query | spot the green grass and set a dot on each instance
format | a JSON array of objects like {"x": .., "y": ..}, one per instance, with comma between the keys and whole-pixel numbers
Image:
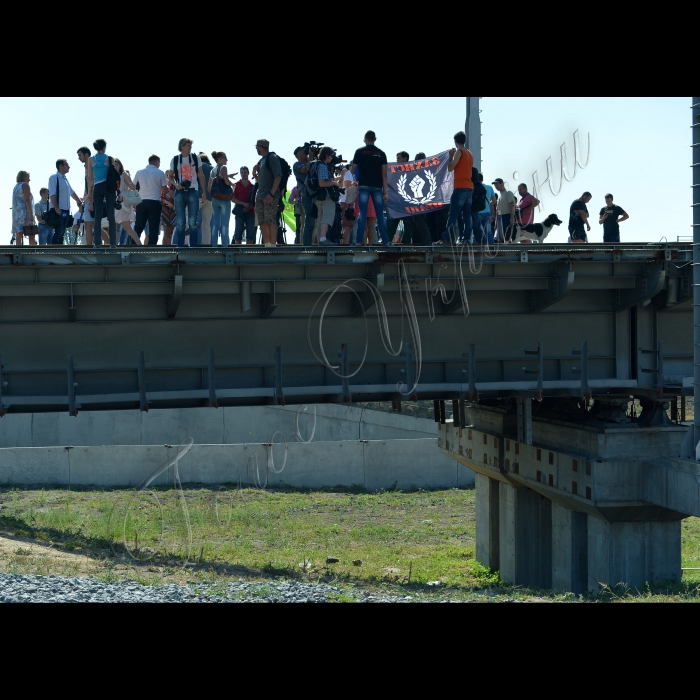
[{"x": 403, "y": 540}]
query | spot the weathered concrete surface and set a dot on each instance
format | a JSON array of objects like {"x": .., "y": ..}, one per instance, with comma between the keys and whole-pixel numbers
[
  {"x": 569, "y": 549},
  {"x": 633, "y": 553},
  {"x": 209, "y": 426},
  {"x": 406, "y": 464}
]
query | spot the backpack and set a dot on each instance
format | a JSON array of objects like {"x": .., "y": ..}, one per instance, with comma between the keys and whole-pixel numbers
[
  {"x": 479, "y": 194},
  {"x": 176, "y": 171},
  {"x": 219, "y": 188},
  {"x": 312, "y": 186},
  {"x": 284, "y": 167}
]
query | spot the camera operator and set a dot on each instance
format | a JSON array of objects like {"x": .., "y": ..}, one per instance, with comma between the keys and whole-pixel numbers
[
  {"x": 187, "y": 177},
  {"x": 301, "y": 168},
  {"x": 328, "y": 194}
]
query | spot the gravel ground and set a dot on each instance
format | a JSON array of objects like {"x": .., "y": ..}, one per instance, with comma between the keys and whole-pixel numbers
[{"x": 15, "y": 588}]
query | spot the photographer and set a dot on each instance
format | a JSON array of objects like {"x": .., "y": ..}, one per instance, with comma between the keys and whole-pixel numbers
[
  {"x": 328, "y": 194},
  {"x": 303, "y": 154},
  {"x": 187, "y": 177}
]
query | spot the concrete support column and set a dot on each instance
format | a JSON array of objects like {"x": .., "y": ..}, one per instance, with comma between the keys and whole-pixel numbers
[
  {"x": 487, "y": 522},
  {"x": 632, "y": 553},
  {"x": 525, "y": 543},
  {"x": 569, "y": 549}
]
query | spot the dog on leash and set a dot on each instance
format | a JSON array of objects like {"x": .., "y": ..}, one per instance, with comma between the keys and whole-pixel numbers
[{"x": 530, "y": 233}]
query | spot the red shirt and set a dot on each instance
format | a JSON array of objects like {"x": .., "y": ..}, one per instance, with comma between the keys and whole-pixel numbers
[
  {"x": 241, "y": 192},
  {"x": 527, "y": 217}
]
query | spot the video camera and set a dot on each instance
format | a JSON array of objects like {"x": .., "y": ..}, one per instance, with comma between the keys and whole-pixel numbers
[
  {"x": 311, "y": 148},
  {"x": 336, "y": 164}
]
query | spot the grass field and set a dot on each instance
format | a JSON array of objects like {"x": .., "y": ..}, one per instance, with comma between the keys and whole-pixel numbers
[{"x": 391, "y": 540}]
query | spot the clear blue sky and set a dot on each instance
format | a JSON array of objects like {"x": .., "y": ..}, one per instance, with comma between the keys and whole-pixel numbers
[{"x": 639, "y": 146}]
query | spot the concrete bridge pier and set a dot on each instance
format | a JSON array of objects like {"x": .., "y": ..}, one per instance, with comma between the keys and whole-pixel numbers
[{"x": 583, "y": 507}]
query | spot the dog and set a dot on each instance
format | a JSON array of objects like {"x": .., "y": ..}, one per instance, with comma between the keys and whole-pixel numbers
[{"x": 534, "y": 232}]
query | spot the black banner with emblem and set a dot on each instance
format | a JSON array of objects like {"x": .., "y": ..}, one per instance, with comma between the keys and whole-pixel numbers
[{"x": 419, "y": 186}]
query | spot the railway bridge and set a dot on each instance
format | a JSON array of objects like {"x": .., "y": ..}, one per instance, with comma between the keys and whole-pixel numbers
[{"x": 536, "y": 352}]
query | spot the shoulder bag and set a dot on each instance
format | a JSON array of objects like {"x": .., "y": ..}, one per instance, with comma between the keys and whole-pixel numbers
[{"x": 219, "y": 188}]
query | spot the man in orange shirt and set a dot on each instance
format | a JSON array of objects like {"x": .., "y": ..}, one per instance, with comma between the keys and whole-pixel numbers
[{"x": 459, "y": 225}]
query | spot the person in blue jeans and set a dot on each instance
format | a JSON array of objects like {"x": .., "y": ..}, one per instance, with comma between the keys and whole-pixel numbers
[
  {"x": 187, "y": 177},
  {"x": 243, "y": 209},
  {"x": 460, "y": 223},
  {"x": 221, "y": 208},
  {"x": 40, "y": 208},
  {"x": 372, "y": 183}
]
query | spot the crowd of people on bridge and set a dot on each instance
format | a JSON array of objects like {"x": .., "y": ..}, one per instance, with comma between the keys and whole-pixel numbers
[{"x": 191, "y": 202}]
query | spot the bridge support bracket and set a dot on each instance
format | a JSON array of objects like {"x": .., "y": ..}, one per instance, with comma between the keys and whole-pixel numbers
[
  {"x": 173, "y": 302},
  {"x": 558, "y": 286}
]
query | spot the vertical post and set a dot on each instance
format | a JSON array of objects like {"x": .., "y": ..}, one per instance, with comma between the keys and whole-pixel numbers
[
  {"x": 279, "y": 394},
  {"x": 212, "y": 387},
  {"x": 521, "y": 433},
  {"x": 455, "y": 413},
  {"x": 436, "y": 411},
  {"x": 585, "y": 392},
  {"x": 540, "y": 373},
  {"x": 72, "y": 410},
  {"x": 347, "y": 396},
  {"x": 443, "y": 419},
  {"x": 527, "y": 420},
  {"x": 143, "y": 402},
  {"x": 410, "y": 373},
  {"x": 696, "y": 269},
  {"x": 472, "y": 128},
  {"x": 473, "y": 396}
]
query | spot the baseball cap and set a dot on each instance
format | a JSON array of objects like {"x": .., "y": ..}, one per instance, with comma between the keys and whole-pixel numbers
[
  {"x": 297, "y": 149},
  {"x": 498, "y": 179},
  {"x": 263, "y": 142}
]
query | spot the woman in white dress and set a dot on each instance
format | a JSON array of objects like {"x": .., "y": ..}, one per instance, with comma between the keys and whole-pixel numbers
[
  {"x": 126, "y": 215},
  {"x": 23, "y": 220}
]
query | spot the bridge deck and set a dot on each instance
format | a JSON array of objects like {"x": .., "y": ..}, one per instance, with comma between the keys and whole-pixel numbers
[{"x": 138, "y": 323}]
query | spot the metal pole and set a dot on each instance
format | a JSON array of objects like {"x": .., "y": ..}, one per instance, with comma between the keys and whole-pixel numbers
[
  {"x": 472, "y": 129},
  {"x": 696, "y": 270},
  {"x": 466, "y": 123}
]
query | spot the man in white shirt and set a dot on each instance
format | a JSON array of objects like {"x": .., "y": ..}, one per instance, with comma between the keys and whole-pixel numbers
[
  {"x": 60, "y": 193},
  {"x": 152, "y": 187},
  {"x": 187, "y": 176}
]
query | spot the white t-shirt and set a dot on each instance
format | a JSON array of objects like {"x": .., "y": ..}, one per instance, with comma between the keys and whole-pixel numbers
[
  {"x": 150, "y": 179},
  {"x": 348, "y": 179},
  {"x": 504, "y": 201},
  {"x": 187, "y": 170}
]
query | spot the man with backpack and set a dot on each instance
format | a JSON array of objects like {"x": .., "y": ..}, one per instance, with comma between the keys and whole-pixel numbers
[
  {"x": 326, "y": 199},
  {"x": 103, "y": 181},
  {"x": 60, "y": 193},
  {"x": 187, "y": 177},
  {"x": 272, "y": 173},
  {"x": 301, "y": 169},
  {"x": 483, "y": 208}
]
